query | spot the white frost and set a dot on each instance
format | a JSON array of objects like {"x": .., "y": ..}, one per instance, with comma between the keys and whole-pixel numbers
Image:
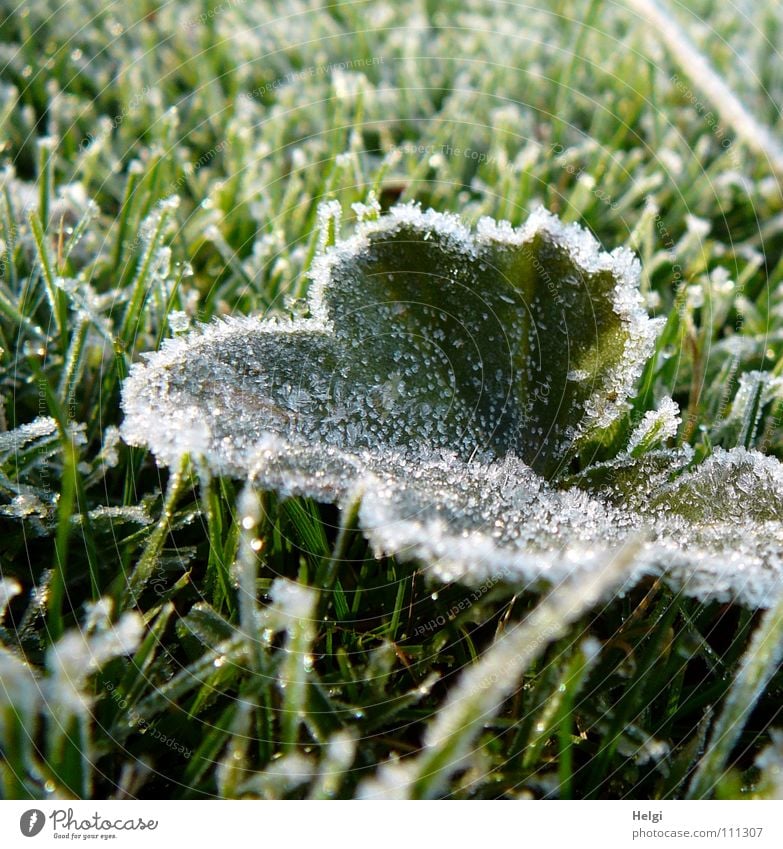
[{"x": 657, "y": 426}]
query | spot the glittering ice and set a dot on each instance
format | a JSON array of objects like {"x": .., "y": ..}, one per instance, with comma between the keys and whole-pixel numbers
[
  {"x": 444, "y": 377},
  {"x": 15, "y": 440},
  {"x": 655, "y": 427}
]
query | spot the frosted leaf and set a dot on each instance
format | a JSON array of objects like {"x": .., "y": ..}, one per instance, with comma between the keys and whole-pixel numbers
[
  {"x": 422, "y": 333},
  {"x": 441, "y": 380}
]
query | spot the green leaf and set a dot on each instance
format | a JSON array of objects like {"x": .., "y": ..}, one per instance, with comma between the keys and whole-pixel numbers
[
  {"x": 422, "y": 334},
  {"x": 442, "y": 381}
]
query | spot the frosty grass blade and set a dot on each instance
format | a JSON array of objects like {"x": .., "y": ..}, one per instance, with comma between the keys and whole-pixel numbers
[{"x": 445, "y": 376}]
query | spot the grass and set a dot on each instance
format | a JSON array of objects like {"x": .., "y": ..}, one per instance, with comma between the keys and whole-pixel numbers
[{"x": 164, "y": 163}]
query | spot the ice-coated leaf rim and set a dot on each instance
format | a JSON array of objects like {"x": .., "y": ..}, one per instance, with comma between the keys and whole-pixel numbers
[
  {"x": 499, "y": 522},
  {"x": 489, "y": 515},
  {"x": 610, "y": 387}
]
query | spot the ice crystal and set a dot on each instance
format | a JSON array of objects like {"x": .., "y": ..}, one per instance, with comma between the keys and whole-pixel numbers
[{"x": 446, "y": 377}]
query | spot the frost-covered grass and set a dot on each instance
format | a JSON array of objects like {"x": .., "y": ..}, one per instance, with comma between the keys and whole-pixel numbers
[{"x": 175, "y": 634}]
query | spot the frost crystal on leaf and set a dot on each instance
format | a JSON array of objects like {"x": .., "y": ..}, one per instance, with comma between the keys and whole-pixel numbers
[{"x": 447, "y": 378}]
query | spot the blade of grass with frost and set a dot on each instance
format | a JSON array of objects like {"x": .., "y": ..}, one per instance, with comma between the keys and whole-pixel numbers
[
  {"x": 232, "y": 767},
  {"x": 74, "y": 500},
  {"x": 56, "y": 296},
  {"x": 46, "y": 147},
  {"x": 232, "y": 650},
  {"x": 152, "y": 231},
  {"x": 555, "y": 712},
  {"x": 756, "y": 135},
  {"x": 564, "y": 722},
  {"x": 142, "y": 572},
  {"x": 483, "y": 688},
  {"x": 294, "y": 611},
  {"x": 133, "y": 682},
  {"x": 221, "y": 552},
  {"x": 760, "y": 662},
  {"x": 349, "y": 516},
  {"x": 334, "y": 766}
]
